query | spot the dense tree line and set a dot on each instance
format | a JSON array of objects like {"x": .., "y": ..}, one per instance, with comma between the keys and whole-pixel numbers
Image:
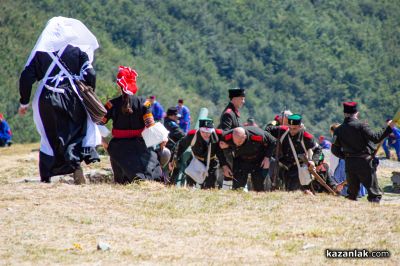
[{"x": 307, "y": 56}]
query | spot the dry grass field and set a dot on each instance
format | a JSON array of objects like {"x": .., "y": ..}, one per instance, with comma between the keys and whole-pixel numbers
[{"x": 147, "y": 223}]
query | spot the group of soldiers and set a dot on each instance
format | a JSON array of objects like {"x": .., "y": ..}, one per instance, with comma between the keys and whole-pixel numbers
[{"x": 275, "y": 157}]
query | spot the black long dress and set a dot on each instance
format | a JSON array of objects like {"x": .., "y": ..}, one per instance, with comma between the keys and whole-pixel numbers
[
  {"x": 130, "y": 158},
  {"x": 60, "y": 116}
]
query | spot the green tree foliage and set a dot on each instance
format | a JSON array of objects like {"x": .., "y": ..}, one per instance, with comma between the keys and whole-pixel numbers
[{"x": 307, "y": 56}]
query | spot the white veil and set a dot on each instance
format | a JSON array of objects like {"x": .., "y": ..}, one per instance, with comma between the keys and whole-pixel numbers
[{"x": 61, "y": 31}]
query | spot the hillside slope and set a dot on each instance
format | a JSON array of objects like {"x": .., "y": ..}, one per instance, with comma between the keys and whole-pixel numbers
[{"x": 149, "y": 223}]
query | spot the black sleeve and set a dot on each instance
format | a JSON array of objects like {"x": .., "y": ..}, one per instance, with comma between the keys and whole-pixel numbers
[
  {"x": 176, "y": 132},
  {"x": 336, "y": 147},
  {"x": 89, "y": 75},
  {"x": 378, "y": 136},
  {"x": 226, "y": 121},
  {"x": 220, "y": 155},
  {"x": 28, "y": 77},
  {"x": 275, "y": 131},
  {"x": 269, "y": 143},
  {"x": 183, "y": 144}
]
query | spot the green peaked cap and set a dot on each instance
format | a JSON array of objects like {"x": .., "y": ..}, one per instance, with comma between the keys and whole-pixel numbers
[{"x": 294, "y": 119}]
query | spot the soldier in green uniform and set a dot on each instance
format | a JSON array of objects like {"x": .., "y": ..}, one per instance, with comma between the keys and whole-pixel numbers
[{"x": 354, "y": 142}]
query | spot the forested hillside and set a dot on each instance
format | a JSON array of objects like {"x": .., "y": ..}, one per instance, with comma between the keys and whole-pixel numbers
[{"x": 307, "y": 56}]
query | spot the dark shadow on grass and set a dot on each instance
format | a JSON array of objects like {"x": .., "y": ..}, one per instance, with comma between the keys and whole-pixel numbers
[{"x": 390, "y": 189}]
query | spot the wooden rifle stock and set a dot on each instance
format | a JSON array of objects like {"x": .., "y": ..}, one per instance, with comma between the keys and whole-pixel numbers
[{"x": 320, "y": 180}]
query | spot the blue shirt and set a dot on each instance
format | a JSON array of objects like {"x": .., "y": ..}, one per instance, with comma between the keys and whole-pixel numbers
[
  {"x": 158, "y": 111},
  {"x": 184, "y": 121},
  {"x": 325, "y": 144}
]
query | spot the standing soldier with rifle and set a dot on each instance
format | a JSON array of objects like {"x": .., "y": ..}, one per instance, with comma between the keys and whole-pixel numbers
[{"x": 354, "y": 142}]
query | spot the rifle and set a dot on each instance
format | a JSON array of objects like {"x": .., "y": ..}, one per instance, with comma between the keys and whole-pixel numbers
[
  {"x": 314, "y": 174},
  {"x": 275, "y": 173}
]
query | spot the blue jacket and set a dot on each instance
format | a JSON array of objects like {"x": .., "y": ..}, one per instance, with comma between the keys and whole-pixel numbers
[
  {"x": 5, "y": 131},
  {"x": 184, "y": 121},
  {"x": 158, "y": 111}
]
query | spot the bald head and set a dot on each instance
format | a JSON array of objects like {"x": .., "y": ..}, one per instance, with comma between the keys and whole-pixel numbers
[{"x": 239, "y": 136}]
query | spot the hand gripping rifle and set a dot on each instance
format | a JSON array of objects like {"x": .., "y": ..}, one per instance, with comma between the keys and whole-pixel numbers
[{"x": 315, "y": 175}]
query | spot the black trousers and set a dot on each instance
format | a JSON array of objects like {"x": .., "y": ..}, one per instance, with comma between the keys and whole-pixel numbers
[
  {"x": 291, "y": 179},
  {"x": 359, "y": 170},
  {"x": 241, "y": 170}
]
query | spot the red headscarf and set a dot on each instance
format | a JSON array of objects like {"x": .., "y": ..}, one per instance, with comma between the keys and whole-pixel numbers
[{"x": 126, "y": 79}]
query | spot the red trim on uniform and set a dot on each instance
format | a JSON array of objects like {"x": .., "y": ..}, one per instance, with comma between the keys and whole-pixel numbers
[
  {"x": 228, "y": 136},
  {"x": 192, "y": 132},
  {"x": 218, "y": 131},
  {"x": 256, "y": 138},
  {"x": 350, "y": 104},
  {"x": 228, "y": 110},
  {"x": 284, "y": 127},
  {"x": 108, "y": 105},
  {"x": 126, "y": 133},
  {"x": 308, "y": 135}
]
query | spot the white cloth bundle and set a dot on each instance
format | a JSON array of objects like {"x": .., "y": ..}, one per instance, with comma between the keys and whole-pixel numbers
[{"x": 154, "y": 135}]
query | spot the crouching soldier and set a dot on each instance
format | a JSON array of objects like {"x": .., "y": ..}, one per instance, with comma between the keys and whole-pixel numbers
[
  {"x": 252, "y": 148},
  {"x": 207, "y": 137},
  {"x": 295, "y": 142},
  {"x": 322, "y": 169},
  {"x": 175, "y": 134}
]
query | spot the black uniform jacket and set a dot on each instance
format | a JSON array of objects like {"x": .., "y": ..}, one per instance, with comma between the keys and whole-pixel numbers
[
  {"x": 258, "y": 144},
  {"x": 175, "y": 132},
  {"x": 286, "y": 154},
  {"x": 200, "y": 147},
  {"x": 354, "y": 138},
  {"x": 230, "y": 118},
  {"x": 124, "y": 122},
  {"x": 72, "y": 57}
]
